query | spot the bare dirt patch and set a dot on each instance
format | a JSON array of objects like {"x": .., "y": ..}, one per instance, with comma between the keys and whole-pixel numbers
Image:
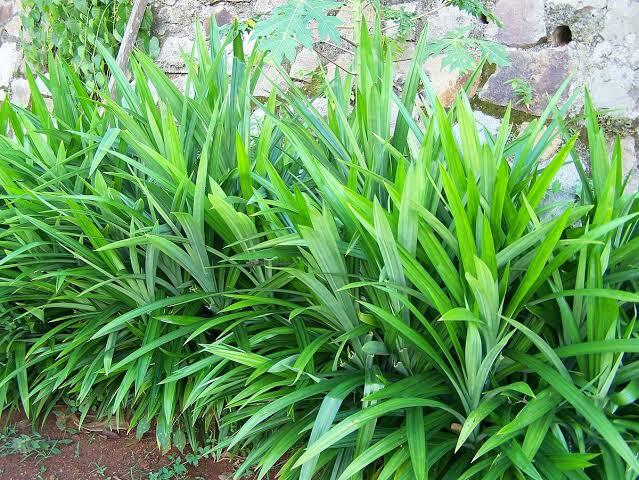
[{"x": 89, "y": 455}]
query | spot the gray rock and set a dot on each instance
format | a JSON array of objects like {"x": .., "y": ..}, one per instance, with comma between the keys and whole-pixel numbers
[
  {"x": 6, "y": 12},
  {"x": 248, "y": 44},
  {"x": 255, "y": 122},
  {"x": 612, "y": 87},
  {"x": 264, "y": 7},
  {"x": 306, "y": 62},
  {"x": 345, "y": 14},
  {"x": 177, "y": 18},
  {"x": 630, "y": 164},
  {"x": 321, "y": 105},
  {"x": 622, "y": 23},
  {"x": 14, "y": 26},
  {"x": 342, "y": 64},
  {"x": 9, "y": 64},
  {"x": 42, "y": 88},
  {"x": 609, "y": 65},
  {"x": 179, "y": 80},
  {"x": 170, "y": 58},
  {"x": 447, "y": 19},
  {"x": 403, "y": 62},
  {"x": 584, "y": 19},
  {"x": 268, "y": 81},
  {"x": 222, "y": 16},
  {"x": 564, "y": 191},
  {"x": 20, "y": 92},
  {"x": 446, "y": 83},
  {"x": 568, "y": 179},
  {"x": 545, "y": 71},
  {"x": 577, "y": 4},
  {"x": 490, "y": 123},
  {"x": 485, "y": 123},
  {"x": 524, "y": 23}
]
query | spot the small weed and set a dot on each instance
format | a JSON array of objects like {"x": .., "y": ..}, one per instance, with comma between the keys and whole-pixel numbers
[
  {"x": 64, "y": 422},
  {"x": 101, "y": 471},
  {"x": 522, "y": 90},
  {"x": 41, "y": 473},
  {"x": 177, "y": 469},
  {"x": 404, "y": 21},
  {"x": 136, "y": 473},
  {"x": 174, "y": 470},
  {"x": 34, "y": 445}
]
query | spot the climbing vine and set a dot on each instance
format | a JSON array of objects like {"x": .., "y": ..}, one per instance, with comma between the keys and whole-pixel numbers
[{"x": 70, "y": 29}]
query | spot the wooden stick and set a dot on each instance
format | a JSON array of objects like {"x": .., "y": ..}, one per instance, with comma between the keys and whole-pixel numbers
[{"x": 129, "y": 38}]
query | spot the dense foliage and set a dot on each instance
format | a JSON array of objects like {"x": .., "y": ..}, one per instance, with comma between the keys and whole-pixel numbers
[
  {"x": 360, "y": 295},
  {"x": 70, "y": 31}
]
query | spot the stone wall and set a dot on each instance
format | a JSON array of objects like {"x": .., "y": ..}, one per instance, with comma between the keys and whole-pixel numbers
[
  {"x": 12, "y": 81},
  {"x": 597, "y": 41}
]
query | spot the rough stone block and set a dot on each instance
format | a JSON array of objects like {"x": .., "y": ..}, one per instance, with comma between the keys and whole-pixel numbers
[
  {"x": 622, "y": 22},
  {"x": 345, "y": 14},
  {"x": 485, "y": 123},
  {"x": 20, "y": 92},
  {"x": 630, "y": 164},
  {"x": 545, "y": 71},
  {"x": 524, "y": 23},
  {"x": 577, "y": 4},
  {"x": 170, "y": 58},
  {"x": 613, "y": 88},
  {"x": 342, "y": 64},
  {"x": 264, "y": 7},
  {"x": 446, "y": 83},
  {"x": 446, "y": 19},
  {"x": 268, "y": 81},
  {"x": 13, "y": 26},
  {"x": 9, "y": 62},
  {"x": 6, "y": 12},
  {"x": 306, "y": 62},
  {"x": 488, "y": 122},
  {"x": 42, "y": 88}
]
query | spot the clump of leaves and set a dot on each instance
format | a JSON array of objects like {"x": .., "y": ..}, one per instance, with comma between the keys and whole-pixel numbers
[
  {"x": 458, "y": 49},
  {"x": 41, "y": 473},
  {"x": 178, "y": 466},
  {"x": 34, "y": 445},
  {"x": 100, "y": 470},
  {"x": 289, "y": 27},
  {"x": 522, "y": 90},
  {"x": 404, "y": 21},
  {"x": 71, "y": 29},
  {"x": 379, "y": 297}
]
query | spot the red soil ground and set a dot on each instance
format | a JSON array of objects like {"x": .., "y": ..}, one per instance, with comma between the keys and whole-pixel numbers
[{"x": 97, "y": 455}]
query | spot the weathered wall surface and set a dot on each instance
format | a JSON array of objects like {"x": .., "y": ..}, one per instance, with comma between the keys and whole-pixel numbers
[
  {"x": 595, "y": 40},
  {"x": 12, "y": 80}
]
